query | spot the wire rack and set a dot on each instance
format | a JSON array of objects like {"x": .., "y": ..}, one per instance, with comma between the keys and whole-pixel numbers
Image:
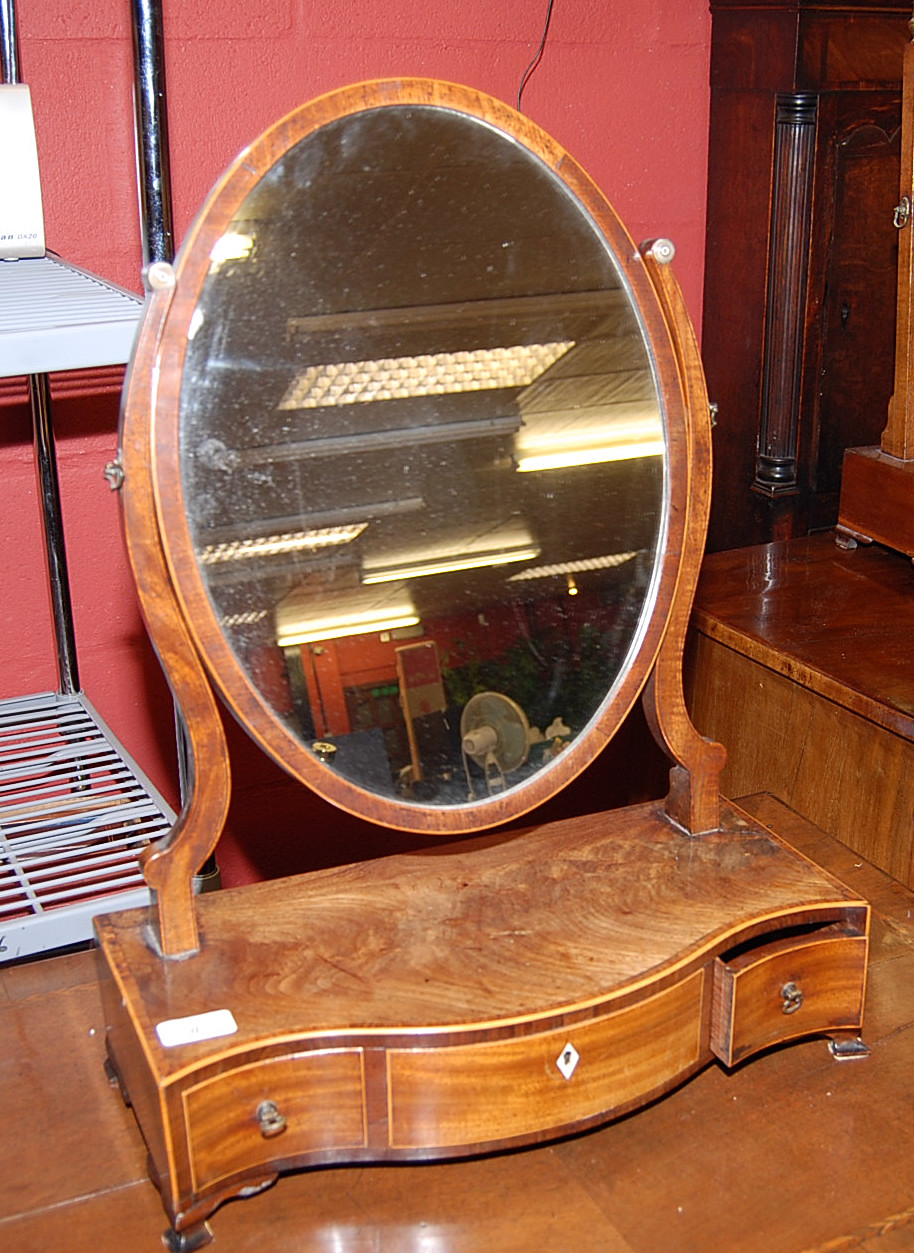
[{"x": 75, "y": 812}]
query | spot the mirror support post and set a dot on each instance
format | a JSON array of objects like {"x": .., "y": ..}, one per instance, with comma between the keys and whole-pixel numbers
[
  {"x": 170, "y": 864},
  {"x": 210, "y": 481},
  {"x": 694, "y": 797}
]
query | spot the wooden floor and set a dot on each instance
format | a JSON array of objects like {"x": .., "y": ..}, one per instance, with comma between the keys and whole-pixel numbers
[{"x": 793, "y": 1153}]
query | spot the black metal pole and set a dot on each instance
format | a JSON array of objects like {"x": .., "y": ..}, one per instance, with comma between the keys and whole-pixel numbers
[
  {"x": 49, "y": 487},
  {"x": 9, "y": 43},
  {"x": 153, "y": 168}
]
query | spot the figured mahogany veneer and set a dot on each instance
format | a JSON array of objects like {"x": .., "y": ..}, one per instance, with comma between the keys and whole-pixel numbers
[
  {"x": 791, "y": 987},
  {"x": 411, "y": 1008},
  {"x": 494, "y": 994}
]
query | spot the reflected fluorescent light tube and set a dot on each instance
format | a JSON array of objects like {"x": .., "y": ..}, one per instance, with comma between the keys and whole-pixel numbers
[
  {"x": 448, "y": 565},
  {"x": 337, "y": 628},
  {"x": 434, "y": 374},
  {"x": 273, "y": 545},
  {"x": 233, "y": 246},
  {"x": 250, "y": 618},
  {"x": 584, "y": 564},
  {"x": 564, "y": 458}
]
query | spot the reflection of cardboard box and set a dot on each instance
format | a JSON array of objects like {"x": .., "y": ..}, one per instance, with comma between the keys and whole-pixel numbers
[
  {"x": 421, "y": 685},
  {"x": 21, "y": 213}
]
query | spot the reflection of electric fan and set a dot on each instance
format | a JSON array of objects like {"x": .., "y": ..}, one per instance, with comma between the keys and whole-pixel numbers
[{"x": 495, "y": 734}]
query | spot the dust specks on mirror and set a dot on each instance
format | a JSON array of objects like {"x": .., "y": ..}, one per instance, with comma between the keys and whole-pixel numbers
[{"x": 424, "y": 410}]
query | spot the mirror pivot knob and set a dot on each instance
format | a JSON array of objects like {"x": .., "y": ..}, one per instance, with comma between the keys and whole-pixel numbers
[
  {"x": 663, "y": 251},
  {"x": 160, "y": 276}
]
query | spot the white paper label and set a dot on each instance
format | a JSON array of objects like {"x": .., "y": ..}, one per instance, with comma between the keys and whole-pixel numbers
[
  {"x": 21, "y": 215},
  {"x": 209, "y": 1026}
]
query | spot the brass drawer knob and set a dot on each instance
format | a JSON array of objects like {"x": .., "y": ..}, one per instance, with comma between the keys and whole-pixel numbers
[
  {"x": 270, "y": 1120},
  {"x": 791, "y": 998}
]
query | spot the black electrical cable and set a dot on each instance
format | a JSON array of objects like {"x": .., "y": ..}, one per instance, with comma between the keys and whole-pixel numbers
[{"x": 528, "y": 72}]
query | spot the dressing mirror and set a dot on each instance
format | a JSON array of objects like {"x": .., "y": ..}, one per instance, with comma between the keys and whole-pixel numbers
[
  {"x": 416, "y": 451},
  {"x": 437, "y": 474}
]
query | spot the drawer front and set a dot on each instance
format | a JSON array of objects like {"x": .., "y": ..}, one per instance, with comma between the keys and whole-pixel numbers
[
  {"x": 793, "y": 987},
  {"x": 232, "y": 1126},
  {"x": 483, "y": 1093}
]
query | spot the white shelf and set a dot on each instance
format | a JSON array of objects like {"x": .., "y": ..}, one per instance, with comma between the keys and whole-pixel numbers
[
  {"x": 75, "y": 813},
  {"x": 55, "y": 316}
]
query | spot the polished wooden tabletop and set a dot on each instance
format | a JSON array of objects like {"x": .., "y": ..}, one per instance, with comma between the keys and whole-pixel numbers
[
  {"x": 839, "y": 621},
  {"x": 793, "y": 1153}
]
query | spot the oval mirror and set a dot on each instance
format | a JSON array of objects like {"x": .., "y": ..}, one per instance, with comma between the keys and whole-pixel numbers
[{"x": 415, "y": 455}]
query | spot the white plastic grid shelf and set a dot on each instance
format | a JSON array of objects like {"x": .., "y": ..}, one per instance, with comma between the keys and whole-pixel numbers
[
  {"x": 55, "y": 316},
  {"x": 75, "y": 812}
]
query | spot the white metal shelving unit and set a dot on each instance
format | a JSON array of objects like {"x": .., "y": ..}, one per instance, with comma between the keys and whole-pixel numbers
[
  {"x": 55, "y": 316},
  {"x": 75, "y": 809}
]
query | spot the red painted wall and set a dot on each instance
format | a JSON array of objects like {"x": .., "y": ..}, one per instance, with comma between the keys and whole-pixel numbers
[{"x": 624, "y": 87}]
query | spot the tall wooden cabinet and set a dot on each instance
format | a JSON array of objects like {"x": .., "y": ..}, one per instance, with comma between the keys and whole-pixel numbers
[
  {"x": 799, "y": 307},
  {"x": 877, "y": 486}
]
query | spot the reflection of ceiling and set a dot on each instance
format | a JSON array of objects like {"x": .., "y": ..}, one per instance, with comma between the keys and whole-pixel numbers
[
  {"x": 599, "y": 403},
  {"x": 464, "y": 546},
  {"x": 428, "y": 374},
  {"x": 408, "y": 256},
  {"x": 561, "y": 439},
  {"x": 244, "y": 549},
  {"x": 309, "y": 614},
  {"x": 345, "y": 443},
  {"x": 481, "y": 322},
  {"x": 609, "y": 561},
  {"x": 395, "y": 488}
]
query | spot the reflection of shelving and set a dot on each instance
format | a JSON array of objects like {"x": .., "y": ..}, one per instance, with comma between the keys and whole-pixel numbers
[
  {"x": 75, "y": 810},
  {"x": 74, "y": 813}
]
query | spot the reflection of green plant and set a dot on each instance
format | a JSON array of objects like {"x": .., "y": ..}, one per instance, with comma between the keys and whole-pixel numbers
[
  {"x": 460, "y": 670},
  {"x": 564, "y": 658},
  {"x": 561, "y": 676}
]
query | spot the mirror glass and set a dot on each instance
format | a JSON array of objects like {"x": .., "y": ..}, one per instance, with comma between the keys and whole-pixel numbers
[{"x": 422, "y": 454}]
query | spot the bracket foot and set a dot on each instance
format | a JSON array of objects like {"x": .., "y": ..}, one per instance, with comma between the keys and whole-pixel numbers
[
  {"x": 848, "y": 1048},
  {"x": 195, "y": 1237}
]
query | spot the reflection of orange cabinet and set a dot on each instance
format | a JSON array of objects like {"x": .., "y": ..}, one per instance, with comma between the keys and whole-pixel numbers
[
  {"x": 325, "y": 689},
  {"x": 419, "y": 672},
  {"x": 336, "y": 671},
  {"x": 421, "y": 693}
]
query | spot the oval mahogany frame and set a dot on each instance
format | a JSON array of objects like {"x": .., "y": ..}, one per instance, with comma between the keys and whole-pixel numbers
[{"x": 154, "y": 393}]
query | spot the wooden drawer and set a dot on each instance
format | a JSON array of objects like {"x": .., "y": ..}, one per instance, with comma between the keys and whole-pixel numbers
[
  {"x": 793, "y": 986},
  {"x": 320, "y": 1097},
  {"x": 484, "y": 1093}
]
